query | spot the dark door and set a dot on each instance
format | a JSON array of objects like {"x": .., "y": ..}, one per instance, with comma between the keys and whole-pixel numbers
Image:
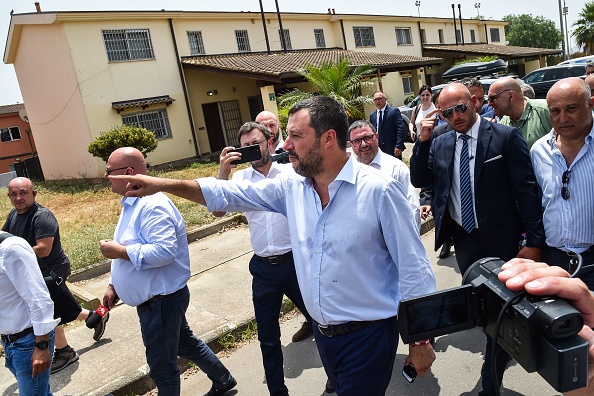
[{"x": 214, "y": 128}]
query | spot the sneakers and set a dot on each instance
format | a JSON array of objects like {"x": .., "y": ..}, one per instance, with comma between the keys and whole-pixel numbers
[
  {"x": 63, "y": 358},
  {"x": 216, "y": 392},
  {"x": 100, "y": 328},
  {"x": 304, "y": 332}
]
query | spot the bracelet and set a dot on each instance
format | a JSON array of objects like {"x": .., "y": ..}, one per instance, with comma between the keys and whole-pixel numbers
[{"x": 419, "y": 343}]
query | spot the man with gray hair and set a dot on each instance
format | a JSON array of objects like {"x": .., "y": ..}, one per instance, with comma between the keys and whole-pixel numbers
[{"x": 528, "y": 91}]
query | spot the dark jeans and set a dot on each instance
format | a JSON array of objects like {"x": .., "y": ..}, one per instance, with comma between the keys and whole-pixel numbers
[
  {"x": 361, "y": 362},
  {"x": 270, "y": 282},
  {"x": 166, "y": 335}
]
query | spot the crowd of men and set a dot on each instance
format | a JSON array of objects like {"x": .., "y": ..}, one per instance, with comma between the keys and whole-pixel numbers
[{"x": 509, "y": 178}]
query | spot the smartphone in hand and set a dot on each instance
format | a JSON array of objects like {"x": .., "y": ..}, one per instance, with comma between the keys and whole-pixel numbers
[
  {"x": 248, "y": 154},
  {"x": 409, "y": 373}
]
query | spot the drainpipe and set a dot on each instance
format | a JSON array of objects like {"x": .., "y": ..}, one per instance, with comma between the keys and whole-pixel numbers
[
  {"x": 280, "y": 25},
  {"x": 454, "y": 13},
  {"x": 461, "y": 27},
  {"x": 486, "y": 34},
  {"x": 343, "y": 36},
  {"x": 264, "y": 26},
  {"x": 185, "y": 89}
]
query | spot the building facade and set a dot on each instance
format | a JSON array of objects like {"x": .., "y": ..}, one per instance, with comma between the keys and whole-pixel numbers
[{"x": 16, "y": 141}]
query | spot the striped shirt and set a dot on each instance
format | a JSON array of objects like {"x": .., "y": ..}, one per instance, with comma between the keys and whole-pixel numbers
[{"x": 569, "y": 224}]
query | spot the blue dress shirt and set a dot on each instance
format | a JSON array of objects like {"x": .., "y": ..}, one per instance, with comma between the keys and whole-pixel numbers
[
  {"x": 356, "y": 259},
  {"x": 568, "y": 223}
]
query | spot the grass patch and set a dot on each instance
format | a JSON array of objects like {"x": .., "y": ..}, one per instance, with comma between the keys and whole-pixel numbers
[
  {"x": 238, "y": 336},
  {"x": 88, "y": 212}
]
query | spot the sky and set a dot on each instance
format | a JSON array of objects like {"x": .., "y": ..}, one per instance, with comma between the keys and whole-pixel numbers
[{"x": 10, "y": 92}]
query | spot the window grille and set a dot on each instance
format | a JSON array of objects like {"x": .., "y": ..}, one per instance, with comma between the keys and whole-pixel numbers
[
  {"x": 364, "y": 36},
  {"x": 320, "y": 40},
  {"x": 287, "y": 39},
  {"x": 403, "y": 36},
  {"x": 128, "y": 44},
  {"x": 155, "y": 121},
  {"x": 243, "y": 41},
  {"x": 196, "y": 43}
]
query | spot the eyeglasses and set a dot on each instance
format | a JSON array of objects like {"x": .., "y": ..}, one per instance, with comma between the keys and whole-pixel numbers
[
  {"x": 254, "y": 143},
  {"x": 459, "y": 108},
  {"x": 108, "y": 171},
  {"x": 491, "y": 98},
  {"x": 564, "y": 190},
  {"x": 378, "y": 99},
  {"x": 367, "y": 139}
]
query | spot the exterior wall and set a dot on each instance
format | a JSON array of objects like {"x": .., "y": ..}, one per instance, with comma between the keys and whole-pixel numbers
[
  {"x": 385, "y": 36},
  {"x": 16, "y": 150},
  {"x": 532, "y": 65}
]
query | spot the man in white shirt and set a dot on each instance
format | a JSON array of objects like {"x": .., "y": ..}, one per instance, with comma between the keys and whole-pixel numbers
[
  {"x": 272, "y": 265},
  {"x": 26, "y": 317},
  {"x": 363, "y": 138},
  {"x": 270, "y": 120}
]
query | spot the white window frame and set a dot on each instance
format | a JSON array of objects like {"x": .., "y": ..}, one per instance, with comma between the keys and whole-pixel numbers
[
  {"x": 122, "y": 45},
  {"x": 364, "y": 36},
  {"x": 196, "y": 43},
  {"x": 495, "y": 32},
  {"x": 320, "y": 39},
  {"x": 407, "y": 85},
  {"x": 243, "y": 41},
  {"x": 287, "y": 39},
  {"x": 155, "y": 121},
  {"x": 401, "y": 36},
  {"x": 9, "y": 131}
]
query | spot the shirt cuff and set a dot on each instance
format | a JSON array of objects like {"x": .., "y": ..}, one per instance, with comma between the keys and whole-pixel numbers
[
  {"x": 208, "y": 186},
  {"x": 43, "y": 328},
  {"x": 134, "y": 255}
]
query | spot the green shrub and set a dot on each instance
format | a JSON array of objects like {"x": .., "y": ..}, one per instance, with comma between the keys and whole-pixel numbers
[{"x": 123, "y": 136}]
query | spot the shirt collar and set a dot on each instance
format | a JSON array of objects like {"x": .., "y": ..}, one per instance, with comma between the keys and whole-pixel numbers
[
  {"x": 129, "y": 201},
  {"x": 552, "y": 137},
  {"x": 347, "y": 173},
  {"x": 377, "y": 159},
  {"x": 384, "y": 108}
]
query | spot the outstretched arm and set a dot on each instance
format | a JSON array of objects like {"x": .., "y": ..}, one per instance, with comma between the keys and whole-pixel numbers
[{"x": 142, "y": 185}]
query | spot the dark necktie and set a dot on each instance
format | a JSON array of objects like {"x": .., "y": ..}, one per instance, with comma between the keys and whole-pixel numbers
[
  {"x": 465, "y": 187},
  {"x": 380, "y": 121}
]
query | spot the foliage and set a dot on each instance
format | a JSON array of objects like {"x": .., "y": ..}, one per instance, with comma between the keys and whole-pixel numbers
[
  {"x": 527, "y": 31},
  {"x": 337, "y": 80},
  {"x": 237, "y": 336},
  {"x": 486, "y": 58},
  {"x": 409, "y": 99},
  {"x": 584, "y": 28},
  {"x": 123, "y": 136}
]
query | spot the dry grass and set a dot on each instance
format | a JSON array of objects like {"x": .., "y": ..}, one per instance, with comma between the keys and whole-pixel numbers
[{"x": 89, "y": 212}]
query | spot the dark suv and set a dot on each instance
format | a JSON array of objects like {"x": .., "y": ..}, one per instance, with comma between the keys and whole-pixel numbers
[{"x": 543, "y": 79}]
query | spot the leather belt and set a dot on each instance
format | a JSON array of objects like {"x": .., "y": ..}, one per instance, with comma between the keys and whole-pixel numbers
[
  {"x": 147, "y": 303},
  {"x": 345, "y": 328},
  {"x": 16, "y": 336},
  {"x": 281, "y": 258}
]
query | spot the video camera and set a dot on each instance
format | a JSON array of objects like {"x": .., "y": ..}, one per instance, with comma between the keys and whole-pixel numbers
[
  {"x": 281, "y": 156},
  {"x": 540, "y": 333}
]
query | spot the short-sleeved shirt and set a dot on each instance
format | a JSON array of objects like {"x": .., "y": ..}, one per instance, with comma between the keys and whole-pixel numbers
[
  {"x": 534, "y": 123},
  {"x": 41, "y": 223}
]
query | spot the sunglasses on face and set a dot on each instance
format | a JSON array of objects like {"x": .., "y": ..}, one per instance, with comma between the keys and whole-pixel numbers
[
  {"x": 459, "y": 108},
  {"x": 491, "y": 98}
]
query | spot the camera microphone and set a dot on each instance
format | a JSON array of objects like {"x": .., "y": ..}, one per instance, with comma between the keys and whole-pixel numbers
[
  {"x": 96, "y": 316},
  {"x": 281, "y": 156}
]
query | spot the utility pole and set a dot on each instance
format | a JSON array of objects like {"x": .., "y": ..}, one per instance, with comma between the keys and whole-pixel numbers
[{"x": 561, "y": 23}]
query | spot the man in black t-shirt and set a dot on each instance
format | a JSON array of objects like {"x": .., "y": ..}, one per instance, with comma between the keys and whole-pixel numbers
[{"x": 39, "y": 227}]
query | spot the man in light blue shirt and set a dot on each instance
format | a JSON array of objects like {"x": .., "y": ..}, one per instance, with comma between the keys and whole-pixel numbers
[
  {"x": 355, "y": 243},
  {"x": 150, "y": 268},
  {"x": 563, "y": 162}
]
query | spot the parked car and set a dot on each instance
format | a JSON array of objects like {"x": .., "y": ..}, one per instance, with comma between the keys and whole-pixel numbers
[
  {"x": 543, "y": 79},
  {"x": 583, "y": 59},
  {"x": 475, "y": 69}
]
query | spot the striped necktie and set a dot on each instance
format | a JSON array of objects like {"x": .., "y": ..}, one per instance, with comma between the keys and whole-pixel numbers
[{"x": 465, "y": 187}]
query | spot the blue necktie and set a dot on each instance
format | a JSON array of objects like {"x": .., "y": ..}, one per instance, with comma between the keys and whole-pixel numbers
[
  {"x": 465, "y": 187},
  {"x": 380, "y": 120}
]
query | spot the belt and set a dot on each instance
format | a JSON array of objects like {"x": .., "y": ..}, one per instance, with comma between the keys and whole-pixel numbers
[
  {"x": 147, "y": 303},
  {"x": 345, "y": 328},
  {"x": 16, "y": 336},
  {"x": 586, "y": 253},
  {"x": 281, "y": 258}
]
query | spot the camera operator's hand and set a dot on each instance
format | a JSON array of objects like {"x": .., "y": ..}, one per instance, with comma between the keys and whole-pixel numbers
[
  {"x": 530, "y": 253},
  {"x": 541, "y": 279},
  {"x": 227, "y": 156},
  {"x": 421, "y": 357}
]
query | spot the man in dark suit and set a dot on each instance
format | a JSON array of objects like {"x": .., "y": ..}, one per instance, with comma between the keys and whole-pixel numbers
[
  {"x": 485, "y": 192},
  {"x": 388, "y": 123}
]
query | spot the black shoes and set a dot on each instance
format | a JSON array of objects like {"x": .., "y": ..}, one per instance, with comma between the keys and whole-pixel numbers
[
  {"x": 100, "y": 329},
  {"x": 63, "y": 358},
  {"x": 303, "y": 333},
  {"x": 329, "y": 386},
  {"x": 216, "y": 392},
  {"x": 445, "y": 249}
]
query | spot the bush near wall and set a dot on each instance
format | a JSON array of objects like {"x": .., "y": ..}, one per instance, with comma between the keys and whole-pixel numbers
[{"x": 123, "y": 136}]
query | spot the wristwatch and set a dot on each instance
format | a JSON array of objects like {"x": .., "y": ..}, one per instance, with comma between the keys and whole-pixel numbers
[{"x": 42, "y": 345}]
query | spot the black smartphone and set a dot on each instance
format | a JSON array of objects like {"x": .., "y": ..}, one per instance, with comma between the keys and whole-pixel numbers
[
  {"x": 409, "y": 373},
  {"x": 248, "y": 154}
]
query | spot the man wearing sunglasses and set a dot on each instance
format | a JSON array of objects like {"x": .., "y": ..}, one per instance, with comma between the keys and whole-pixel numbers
[
  {"x": 485, "y": 192},
  {"x": 563, "y": 162},
  {"x": 530, "y": 116}
]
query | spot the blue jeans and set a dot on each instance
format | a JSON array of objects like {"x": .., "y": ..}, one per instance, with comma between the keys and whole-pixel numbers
[
  {"x": 18, "y": 360},
  {"x": 270, "y": 282},
  {"x": 166, "y": 335}
]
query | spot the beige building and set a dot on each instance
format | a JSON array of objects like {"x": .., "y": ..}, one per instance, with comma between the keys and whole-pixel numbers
[{"x": 194, "y": 77}]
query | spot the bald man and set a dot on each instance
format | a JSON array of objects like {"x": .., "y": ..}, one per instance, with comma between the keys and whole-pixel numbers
[
  {"x": 270, "y": 120},
  {"x": 149, "y": 270},
  {"x": 590, "y": 81},
  {"x": 530, "y": 116}
]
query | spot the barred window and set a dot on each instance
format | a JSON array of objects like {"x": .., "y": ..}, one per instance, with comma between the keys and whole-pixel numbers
[
  {"x": 320, "y": 40},
  {"x": 287, "y": 39},
  {"x": 128, "y": 44},
  {"x": 155, "y": 121},
  {"x": 196, "y": 43},
  {"x": 472, "y": 36},
  {"x": 440, "y": 34},
  {"x": 243, "y": 41},
  {"x": 407, "y": 84},
  {"x": 495, "y": 35},
  {"x": 364, "y": 36},
  {"x": 403, "y": 36},
  {"x": 10, "y": 134}
]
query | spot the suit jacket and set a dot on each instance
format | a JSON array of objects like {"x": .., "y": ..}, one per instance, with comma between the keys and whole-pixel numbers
[
  {"x": 505, "y": 193},
  {"x": 392, "y": 132},
  {"x": 426, "y": 194}
]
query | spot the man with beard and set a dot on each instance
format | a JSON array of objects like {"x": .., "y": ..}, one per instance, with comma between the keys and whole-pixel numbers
[
  {"x": 270, "y": 120},
  {"x": 272, "y": 265},
  {"x": 356, "y": 247},
  {"x": 363, "y": 138}
]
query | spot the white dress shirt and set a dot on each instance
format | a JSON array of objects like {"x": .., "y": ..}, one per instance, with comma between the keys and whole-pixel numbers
[
  {"x": 25, "y": 300},
  {"x": 399, "y": 171},
  {"x": 356, "y": 259},
  {"x": 454, "y": 202},
  {"x": 269, "y": 231}
]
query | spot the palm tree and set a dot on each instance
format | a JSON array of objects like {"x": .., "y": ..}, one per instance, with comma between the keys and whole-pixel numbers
[
  {"x": 337, "y": 80},
  {"x": 584, "y": 28}
]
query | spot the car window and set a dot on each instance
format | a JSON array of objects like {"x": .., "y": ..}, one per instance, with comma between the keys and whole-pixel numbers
[
  {"x": 534, "y": 77},
  {"x": 578, "y": 71}
]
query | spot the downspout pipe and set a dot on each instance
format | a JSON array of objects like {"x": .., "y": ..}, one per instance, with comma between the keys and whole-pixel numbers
[
  {"x": 461, "y": 27},
  {"x": 455, "y": 28},
  {"x": 280, "y": 25},
  {"x": 264, "y": 27}
]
